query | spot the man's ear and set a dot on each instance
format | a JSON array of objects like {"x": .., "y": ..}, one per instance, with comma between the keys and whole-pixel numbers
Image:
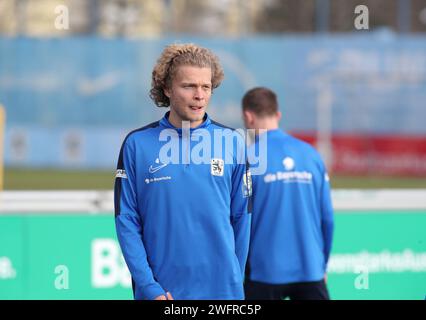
[
  {"x": 279, "y": 115},
  {"x": 249, "y": 119},
  {"x": 248, "y": 116},
  {"x": 167, "y": 92}
]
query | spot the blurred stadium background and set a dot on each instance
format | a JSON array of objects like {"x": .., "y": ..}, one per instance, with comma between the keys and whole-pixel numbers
[{"x": 70, "y": 96}]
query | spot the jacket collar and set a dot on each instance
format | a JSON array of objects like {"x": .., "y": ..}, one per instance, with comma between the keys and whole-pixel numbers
[{"x": 164, "y": 122}]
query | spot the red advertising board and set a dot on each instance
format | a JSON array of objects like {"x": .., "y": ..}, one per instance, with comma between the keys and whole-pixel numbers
[{"x": 375, "y": 154}]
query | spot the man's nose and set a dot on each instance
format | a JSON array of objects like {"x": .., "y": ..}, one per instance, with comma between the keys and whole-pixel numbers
[{"x": 199, "y": 93}]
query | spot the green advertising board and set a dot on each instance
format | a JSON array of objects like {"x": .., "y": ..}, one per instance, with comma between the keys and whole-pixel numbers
[{"x": 376, "y": 255}]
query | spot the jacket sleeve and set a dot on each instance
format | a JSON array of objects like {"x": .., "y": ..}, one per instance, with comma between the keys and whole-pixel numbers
[
  {"x": 129, "y": 227},
  {"x": 327, "y": 219},
  {"x": 241, "y": 210}
]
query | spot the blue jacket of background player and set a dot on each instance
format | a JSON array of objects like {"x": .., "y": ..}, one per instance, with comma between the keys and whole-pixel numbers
[{"x": 292, "y": 220}]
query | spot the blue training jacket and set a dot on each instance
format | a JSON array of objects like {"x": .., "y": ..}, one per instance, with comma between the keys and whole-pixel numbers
[
  {"x": 183, "y": 227},
  {"x": 292, "y": 220}
]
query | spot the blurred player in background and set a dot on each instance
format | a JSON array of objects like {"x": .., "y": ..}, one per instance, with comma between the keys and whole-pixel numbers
[
  {"x": 292, "y": 222},
  {"x": 183, "y": 227}
]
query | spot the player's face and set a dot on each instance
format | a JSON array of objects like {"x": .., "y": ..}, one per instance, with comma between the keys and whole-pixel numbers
[{"x": 189, "y": 95}]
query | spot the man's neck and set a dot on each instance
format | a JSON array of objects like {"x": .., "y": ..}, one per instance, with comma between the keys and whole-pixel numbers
[
  {"x": 267, "y": 124},
  {"x": 176, "y": 121}
]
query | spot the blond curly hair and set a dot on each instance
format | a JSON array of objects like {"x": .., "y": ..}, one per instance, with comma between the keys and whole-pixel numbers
[{"x": 176, "y": 55}]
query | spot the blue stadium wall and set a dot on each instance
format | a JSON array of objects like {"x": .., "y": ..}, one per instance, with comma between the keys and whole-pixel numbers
[{"x": 70, "y": 101}]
